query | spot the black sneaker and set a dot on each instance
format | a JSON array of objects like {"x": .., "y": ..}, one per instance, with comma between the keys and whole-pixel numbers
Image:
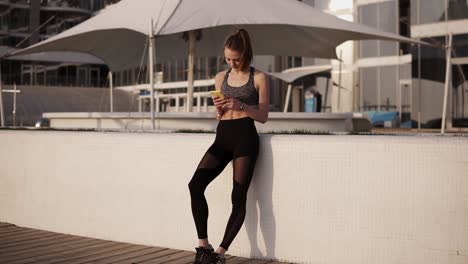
[
  {"x": 215, "y": 258},
  {"x": 202, "y": 254}
]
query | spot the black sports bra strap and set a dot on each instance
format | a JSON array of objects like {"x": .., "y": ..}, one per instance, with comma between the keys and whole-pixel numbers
[
  {"x": 251, "y": 76},
  {"x": 226, "y": 75}
]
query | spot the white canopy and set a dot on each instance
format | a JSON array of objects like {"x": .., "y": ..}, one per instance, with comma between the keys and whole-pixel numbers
[
  {"x": 59, "y": 56},
  {"x": 52, "y": 56},
  {"x": 290, "y": 75},
  {"x": 117, "y": 35}
]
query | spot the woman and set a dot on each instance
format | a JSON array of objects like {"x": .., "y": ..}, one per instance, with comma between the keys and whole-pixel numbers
[{"x": 245, "y": 99}]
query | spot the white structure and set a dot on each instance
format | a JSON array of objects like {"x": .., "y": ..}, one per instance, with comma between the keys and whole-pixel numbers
[
  {"x": 411, "y": 80},
  {"x": 307, "y": 32},
  {"x": 313, "y": 199},
  {"x": 436, "y": 20},
  {"x": 277, "y": 122}
]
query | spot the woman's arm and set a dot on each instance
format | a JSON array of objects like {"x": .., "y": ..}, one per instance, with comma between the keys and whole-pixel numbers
[
  {"x": 218, "y": 102},
  {"x": 260, "y": 113}
]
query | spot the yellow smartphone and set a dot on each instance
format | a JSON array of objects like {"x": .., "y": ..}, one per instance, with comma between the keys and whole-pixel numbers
[{"x": 217, "y": 94}]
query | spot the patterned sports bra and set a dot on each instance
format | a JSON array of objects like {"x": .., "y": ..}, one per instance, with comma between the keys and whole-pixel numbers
[{"x": 245, "y": 93}]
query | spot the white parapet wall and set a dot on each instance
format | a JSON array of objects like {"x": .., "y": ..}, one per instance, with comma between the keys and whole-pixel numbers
[
  {"x": 314, "y": 198},
  {"x": 277, "y": 122}
]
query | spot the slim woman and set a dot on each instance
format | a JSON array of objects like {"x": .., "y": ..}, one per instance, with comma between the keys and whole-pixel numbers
[{"x": 246, "y": 99}]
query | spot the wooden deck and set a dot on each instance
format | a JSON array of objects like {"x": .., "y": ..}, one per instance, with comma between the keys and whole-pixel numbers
[{"x": 19, "y": 245}]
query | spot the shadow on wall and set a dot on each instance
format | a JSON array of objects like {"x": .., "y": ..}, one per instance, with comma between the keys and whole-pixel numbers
[{"x": 260, "y": 203}]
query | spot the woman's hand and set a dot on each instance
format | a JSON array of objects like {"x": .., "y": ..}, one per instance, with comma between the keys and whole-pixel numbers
[
  {"x": 232, "y": 104},
  {"x": 219, "y": 103}
]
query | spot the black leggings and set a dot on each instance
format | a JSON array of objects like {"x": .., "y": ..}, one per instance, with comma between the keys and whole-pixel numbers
[{"x": 236, "y": 140}]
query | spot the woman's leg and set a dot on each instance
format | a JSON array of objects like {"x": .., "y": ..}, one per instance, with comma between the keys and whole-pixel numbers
[
  {"x": 211, "y": 165},
  {"x": 243, "y": 172}
]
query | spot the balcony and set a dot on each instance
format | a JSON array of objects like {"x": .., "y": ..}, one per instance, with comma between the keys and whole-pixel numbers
[
  {"x": 64, "y": 6},
  {"x": 4, "y": 2}
]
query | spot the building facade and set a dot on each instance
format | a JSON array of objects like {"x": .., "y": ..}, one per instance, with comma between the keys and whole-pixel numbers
[
  {"x": 26, "y": 22},
  {"x": 432, "y": 21},
  {"x": 407, "y": 78},
  {"x": 384, "y": 67},
  {"x": 373, "y": 75}
]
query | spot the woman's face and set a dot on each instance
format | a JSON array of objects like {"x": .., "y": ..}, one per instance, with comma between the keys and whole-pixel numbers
[{"x": 232, "y": 58}]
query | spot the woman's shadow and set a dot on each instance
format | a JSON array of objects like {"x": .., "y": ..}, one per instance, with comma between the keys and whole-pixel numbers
[{"x": 260, "y": 203}]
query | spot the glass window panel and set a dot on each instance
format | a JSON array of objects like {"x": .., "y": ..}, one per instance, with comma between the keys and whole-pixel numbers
[
  {"x": 19, "y": 20},
  {"x": 388, "y": 88},
  {"x": 457, "y": 9},
  {"x": 322, "y": 4},
  {"x": 339, "y": 4},
  {"x": 323, "y": 61},
  {"x": 460, "y": 43},
  {"x": 212, "y": 65},
  {"x": 414, "y": 12},
  {"x": 460, "y": 50},
  {"x": 166, "y": 71},
  {"x": 368, "y": 84},
  {"x": 264, "y": 62},
  {"x": 309, "y": 2},
  {"x": 308, "y": 61},
  {"x": 431, "y": 11},
  {"x": 289, "y": 62},
  {"x": 368, "y": 48},
  {"x": 24, "y": 2},
  {"x": 388, "y": 16},
  {"x": 368, "y": 16},
  {"x": 297, "y": 61},
  {"x": 4, "y": 20},
  {"x": 405, "y": 72},
  {"x": 388, "y": 48},
  {"x": 388, "y": 23},
  {"x": 175, "y": 70},
  {"x": 432, "y": 61}
]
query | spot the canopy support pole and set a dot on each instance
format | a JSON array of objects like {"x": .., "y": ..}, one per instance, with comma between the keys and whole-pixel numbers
[
  {"x": 2, "y": 114},
  {"x": 339, "y": 82},
  {"x": 399, "y": 90},
  {"x": 419, "y": 87},
  {"x": 14, "y": 104},
  {"x": 288, "y": 96},
  {"x": 111, "y": 86},
  {"x": 447, "y": 81},
  {"x": 151, "y": 72},
  {"x": 324, "y": 103},
  {"x": 191, "y": 56}
]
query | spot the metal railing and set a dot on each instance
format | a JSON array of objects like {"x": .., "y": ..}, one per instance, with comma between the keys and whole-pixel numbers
[
  {"x": 168, "y": 98},
  {"x": 163, "y": 101}
]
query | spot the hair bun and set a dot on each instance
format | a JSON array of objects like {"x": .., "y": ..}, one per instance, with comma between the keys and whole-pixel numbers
[{"x": 241, "y": 31}]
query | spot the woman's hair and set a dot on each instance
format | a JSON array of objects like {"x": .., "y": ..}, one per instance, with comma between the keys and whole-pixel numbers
[{"x": 240, "y": 41}]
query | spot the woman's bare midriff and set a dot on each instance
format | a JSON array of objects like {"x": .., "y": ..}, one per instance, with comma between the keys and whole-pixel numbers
[{"x": 234, "y": 114}]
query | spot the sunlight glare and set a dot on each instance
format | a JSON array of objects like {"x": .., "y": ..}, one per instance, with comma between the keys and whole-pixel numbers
[{"x": 335, "y": 5}]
